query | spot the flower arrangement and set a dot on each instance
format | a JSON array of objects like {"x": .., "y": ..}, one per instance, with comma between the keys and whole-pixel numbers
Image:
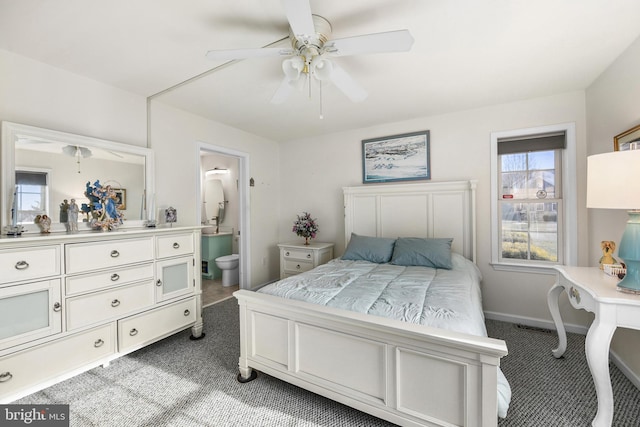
[{"x": 305, "y": 226}]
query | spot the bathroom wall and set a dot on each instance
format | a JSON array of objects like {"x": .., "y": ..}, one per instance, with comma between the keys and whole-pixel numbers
[{"x": 229, "y": 187}]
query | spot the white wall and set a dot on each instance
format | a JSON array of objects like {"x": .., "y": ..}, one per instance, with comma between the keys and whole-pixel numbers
[
  {"x": 174, "y": 134},
  {"x": 314, "y": 170},
  {"x": 612, "y": 107},
  {"x": 37, "y": 94}
]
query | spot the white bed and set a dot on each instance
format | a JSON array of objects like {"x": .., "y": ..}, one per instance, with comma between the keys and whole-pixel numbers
[{"x": 443, "y": 373}]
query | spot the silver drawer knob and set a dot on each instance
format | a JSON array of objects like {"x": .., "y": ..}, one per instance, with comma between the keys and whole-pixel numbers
[
  {"x": 22, "y": 265},
  {"x": 298, "y": 267},
  {"x": 309, "y": 256},
  {"x": 57, "y": 307},
  {"x": 115, "y": 277},
  {"x": 158, "y": 282},
  {"x": 187, "y": 312},
  {"x": 98, "y": 343},
  {"x": 176, "y": 245},
  {"x": 115, "y": 254},
  {"x": 5, "y": 376},
  {"x": 133, "y": 332},
  {"x": 115, "y": 303},
  {"x": 286, "y": 253}
]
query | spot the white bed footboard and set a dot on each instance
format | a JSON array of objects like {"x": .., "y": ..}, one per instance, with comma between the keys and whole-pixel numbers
[{"x": 408, "y": 374}]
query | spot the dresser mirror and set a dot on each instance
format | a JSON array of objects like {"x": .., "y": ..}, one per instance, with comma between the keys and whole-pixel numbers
[{"x": 53, "y": 166}]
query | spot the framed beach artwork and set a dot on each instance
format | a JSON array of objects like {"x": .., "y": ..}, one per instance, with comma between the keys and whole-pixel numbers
[{"x": 396, "y": 158}]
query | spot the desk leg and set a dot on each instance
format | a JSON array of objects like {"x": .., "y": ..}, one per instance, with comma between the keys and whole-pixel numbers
[
  {"x": 552, "y": 302},
  {"x": 597, "y": 350}
]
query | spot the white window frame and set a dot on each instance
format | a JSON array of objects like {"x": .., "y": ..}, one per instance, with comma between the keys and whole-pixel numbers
[{"x": 567, "y": 222}]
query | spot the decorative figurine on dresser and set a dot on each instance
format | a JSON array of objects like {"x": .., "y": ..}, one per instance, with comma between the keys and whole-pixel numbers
[
  {"x": 64, "y": 213},
  {"x": 72, "y": 216},
  {"x": 44, "y": 222}
]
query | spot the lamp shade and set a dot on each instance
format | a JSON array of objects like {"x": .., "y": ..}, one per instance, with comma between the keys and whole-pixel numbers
[{"x": 613, "y": 180}]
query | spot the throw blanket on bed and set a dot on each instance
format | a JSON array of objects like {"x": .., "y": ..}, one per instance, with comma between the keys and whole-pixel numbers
[{"x": 446, "y": 299}]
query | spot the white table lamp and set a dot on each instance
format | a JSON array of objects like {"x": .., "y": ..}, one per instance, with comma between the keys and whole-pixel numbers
[{"x": 613, "y": 182}]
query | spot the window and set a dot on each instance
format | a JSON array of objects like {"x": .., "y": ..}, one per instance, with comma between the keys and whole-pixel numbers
[
  {"x": 31, "y": 195},
  {"x": 530, "y": 209}
]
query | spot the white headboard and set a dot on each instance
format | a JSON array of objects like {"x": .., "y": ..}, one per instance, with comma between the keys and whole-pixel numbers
[{"x": 433, "y": 209}]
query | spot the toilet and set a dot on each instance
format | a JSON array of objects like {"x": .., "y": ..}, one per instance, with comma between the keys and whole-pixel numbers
[{"x": 229, "y": 266}]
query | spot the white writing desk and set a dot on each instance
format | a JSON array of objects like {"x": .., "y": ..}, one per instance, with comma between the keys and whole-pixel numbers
[{"x": 589, "y": 288}]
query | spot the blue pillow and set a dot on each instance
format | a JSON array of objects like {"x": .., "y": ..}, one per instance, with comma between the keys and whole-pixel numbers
[
  {"x": 434, "y": 253},
  {"x": 372, "y": 249}
]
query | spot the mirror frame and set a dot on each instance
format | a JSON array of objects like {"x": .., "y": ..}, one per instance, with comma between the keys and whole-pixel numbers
[{"x": 12, "y": 131}]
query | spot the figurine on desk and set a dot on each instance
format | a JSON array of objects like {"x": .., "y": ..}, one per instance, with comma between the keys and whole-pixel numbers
[{"x": 608, "y": 247}]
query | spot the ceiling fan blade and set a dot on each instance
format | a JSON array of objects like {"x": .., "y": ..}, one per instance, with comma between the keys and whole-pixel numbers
[
  {"x": 283, "y": 91},
  {"x": 347, "y": 84},
  {"x": 230, "y": 54},
  {"x": 299, "y": 17},
  {"x": 391, "y": 41}
]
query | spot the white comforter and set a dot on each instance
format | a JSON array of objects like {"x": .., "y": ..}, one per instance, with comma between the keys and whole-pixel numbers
[{"x": 447, "y": 299}]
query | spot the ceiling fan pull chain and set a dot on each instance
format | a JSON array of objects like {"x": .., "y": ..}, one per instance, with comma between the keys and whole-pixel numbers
[{"x": 320, "y": 85}]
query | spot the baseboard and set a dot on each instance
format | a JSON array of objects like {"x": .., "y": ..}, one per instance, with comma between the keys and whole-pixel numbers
[
  {"x": 573, "y": 328},
  {"x": 624, "y": 368},
  {"x": 537, "y": 323}
]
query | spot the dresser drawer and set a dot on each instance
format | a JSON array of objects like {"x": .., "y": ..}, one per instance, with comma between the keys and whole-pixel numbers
[
  {"x": 175, "y": 245},
  {"x": 293, "y": 266},
  {"x": 25, "y": 369},
  {"x": 142, "y": 329},
  {"x": 117, "y": 276},
  {"x": 99, "y": 306},
  {"x": 83, "y": 257},
  {"x": 29, "y": 263},
  {"x": 299, "y": 254}
]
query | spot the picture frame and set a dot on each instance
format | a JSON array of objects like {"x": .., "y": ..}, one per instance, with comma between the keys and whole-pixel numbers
[
  {"x": 403, "y": 157},
  {"x": 121, "y": 193},
  {"x": 623, "y": 141}
]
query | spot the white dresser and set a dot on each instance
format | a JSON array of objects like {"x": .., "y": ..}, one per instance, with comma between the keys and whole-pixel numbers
[
  {"x": 296, "y": 258},
  {"x": 71, "y": 302}
]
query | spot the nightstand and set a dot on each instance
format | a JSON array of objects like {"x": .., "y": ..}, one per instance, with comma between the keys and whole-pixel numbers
[
  {"x": 296, "y": 258},
  {"x": 589, "y": 288}
]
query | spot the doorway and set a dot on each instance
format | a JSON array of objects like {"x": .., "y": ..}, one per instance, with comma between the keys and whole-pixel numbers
[{"x": 241, "y": 214}]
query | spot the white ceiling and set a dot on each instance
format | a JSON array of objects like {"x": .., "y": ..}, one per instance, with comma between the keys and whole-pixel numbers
[{"x": 467, "y": 53}]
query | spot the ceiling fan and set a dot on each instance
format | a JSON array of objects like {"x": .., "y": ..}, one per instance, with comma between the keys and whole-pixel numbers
[{"x": 312, "y": 48}]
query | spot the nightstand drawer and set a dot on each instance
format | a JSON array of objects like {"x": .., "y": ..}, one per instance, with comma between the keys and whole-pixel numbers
[
  {"x": 297, "y": 258},
  {"x": 301, "y": 254},
  {"x": 292, "y": 266}
]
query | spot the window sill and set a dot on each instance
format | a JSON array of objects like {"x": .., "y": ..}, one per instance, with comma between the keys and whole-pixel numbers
[{"x": 524, "y": 268}]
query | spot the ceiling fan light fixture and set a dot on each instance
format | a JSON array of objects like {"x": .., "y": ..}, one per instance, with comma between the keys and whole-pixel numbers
[
  {"x": 292, "y": 68},
  {"x": 322, "y": 68}
]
